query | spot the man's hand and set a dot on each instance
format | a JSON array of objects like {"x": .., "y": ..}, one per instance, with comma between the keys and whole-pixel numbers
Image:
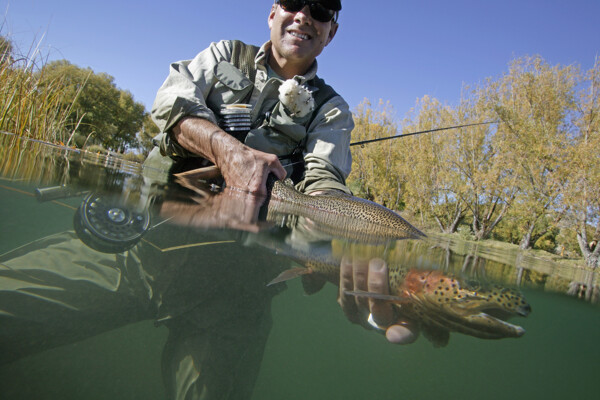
[
  {"x": 372, "y": 276},
  {"x": 241, "y": 166},
  {"x": 248, "y": 169},
  {"x": 228, "y": 209}
]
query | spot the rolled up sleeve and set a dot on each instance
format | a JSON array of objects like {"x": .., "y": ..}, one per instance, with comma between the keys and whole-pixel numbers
[
  {"x": 327, "y": 155},
  {"x": 185, "y": 90}
]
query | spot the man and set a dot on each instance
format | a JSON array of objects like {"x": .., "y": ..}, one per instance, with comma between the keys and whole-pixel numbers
[
  {"x": 187, "y": 108},
  {"x": 58, "y": 290}
]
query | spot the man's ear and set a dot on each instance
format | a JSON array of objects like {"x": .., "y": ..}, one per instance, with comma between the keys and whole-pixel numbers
[
  {"x": 332, "y": 32},
  {"x": 272, "y": 15}
]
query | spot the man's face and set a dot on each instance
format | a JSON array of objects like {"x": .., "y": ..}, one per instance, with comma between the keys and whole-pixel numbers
[{"x": 297, "y": 37}]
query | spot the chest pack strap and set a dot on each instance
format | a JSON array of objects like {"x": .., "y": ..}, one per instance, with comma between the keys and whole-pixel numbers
[{"x": 242, "y": 57}]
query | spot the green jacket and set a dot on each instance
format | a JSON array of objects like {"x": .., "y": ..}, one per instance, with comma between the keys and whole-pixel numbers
[{"x": 199, "y": 88}]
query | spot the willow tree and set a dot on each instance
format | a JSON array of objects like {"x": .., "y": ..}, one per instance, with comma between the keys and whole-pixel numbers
[
  {"x": 430, "y": 182},
  {"x": 374, "y": 175},
  {"x": 99, "y": 111},
  {"x": 582, "y": 193},
  {"x": 533, "y": 102},
  {"x": 487, "y": 184}
]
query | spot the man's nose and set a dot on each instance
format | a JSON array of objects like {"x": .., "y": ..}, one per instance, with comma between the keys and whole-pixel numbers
[{"x": 303, "y": 16}]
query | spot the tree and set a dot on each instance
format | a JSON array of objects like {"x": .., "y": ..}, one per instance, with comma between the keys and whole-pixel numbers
[
  {"x": 487, "y": 183},
  {"x": 533, "y": 102},
  {"x": 374, "y": 175},
  {"x": 582, "y": 193},
  {"x": 100, "y": 112},
  {"x": 430, "y": 182},
  {"x": 145, "y": 136},
  {"x": 30, "y": 105}
]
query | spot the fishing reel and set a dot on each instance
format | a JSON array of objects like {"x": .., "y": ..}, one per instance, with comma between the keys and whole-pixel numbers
[
  {"x": 108, "y": 226},
  {"x": 102, "y": 222}
]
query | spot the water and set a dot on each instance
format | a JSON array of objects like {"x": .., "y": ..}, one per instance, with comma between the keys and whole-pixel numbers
[{"x": 101, "y": 330}]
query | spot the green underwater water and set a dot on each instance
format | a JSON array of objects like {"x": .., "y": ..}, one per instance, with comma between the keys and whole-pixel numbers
[{"x": 313, "y": 351}]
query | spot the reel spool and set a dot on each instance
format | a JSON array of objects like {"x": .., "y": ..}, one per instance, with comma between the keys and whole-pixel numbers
[
  {"x": 236, "y": 119},
  {"x": 108, "y": 226}
]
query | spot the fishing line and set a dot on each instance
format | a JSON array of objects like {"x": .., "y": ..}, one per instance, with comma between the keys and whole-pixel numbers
[{"x": 363, "y": 142}]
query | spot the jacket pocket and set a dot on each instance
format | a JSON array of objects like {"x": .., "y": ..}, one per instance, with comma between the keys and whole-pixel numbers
[{"x": 231, "y": 77}]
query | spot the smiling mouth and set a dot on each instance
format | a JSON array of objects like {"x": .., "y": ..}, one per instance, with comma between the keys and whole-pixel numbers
[{"x": 299, "y": 35}]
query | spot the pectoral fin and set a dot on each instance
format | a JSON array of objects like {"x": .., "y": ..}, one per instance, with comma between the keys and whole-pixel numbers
[{"x": 289, "y": 274}]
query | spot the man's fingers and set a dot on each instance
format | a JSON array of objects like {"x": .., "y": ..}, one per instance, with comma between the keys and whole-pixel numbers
[
  {"x": 277, "y": 169},
  {"x": 406, "y": 333},
  {"x": 360, "y": 276},
  {"x": 382, "y": 311},
  {"x": 347, "y": 302}
]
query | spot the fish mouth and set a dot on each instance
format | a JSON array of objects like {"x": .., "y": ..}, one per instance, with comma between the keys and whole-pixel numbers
[
  {"x": 499, "y": 318},
  {"x": 502, "y": 323}
]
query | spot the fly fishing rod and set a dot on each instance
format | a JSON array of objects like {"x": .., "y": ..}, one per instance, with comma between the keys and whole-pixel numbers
[
  {"x": 363, "y": 142},
  {"x": 213, "y": 171}
]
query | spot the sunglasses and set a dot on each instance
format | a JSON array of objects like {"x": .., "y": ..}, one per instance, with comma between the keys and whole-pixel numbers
[{"x": 317, "y": 10}]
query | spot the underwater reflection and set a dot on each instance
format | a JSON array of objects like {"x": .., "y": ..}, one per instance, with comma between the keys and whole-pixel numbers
[{"x": 120, "y": 247}]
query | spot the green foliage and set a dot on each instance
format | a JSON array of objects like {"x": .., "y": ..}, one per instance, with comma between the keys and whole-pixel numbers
[
  {"x": 547, "y": 241},
  {"x": 374, "y": 176},
  {"x": 100, "y": 112},
  {"x": 516, "y": 181},
  {"x": 149, "y": 130},
  {"x": 6, "y": 50},
  {"x": 62, "y": 103},
  {"x": 28, "y": 107}
]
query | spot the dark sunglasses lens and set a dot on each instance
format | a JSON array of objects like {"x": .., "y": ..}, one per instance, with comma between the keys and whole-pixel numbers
[
  {"x": 320, "y": 13},
  {"x": 291, "y": 5},
  {"x": 317, "y": 11}
]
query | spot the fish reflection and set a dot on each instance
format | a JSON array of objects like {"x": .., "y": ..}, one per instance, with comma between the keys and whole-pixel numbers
[{"x": 439, "y": 302}]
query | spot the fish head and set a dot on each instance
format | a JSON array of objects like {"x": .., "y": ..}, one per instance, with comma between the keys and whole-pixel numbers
[{"x": 466, "y": 306}]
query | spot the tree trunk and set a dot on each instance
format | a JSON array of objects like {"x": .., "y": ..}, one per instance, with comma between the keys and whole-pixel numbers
[
  {"x": 591, "y": 256},
  {"x": 526, "y": 239},
  {"x": 459, "y": 215}
]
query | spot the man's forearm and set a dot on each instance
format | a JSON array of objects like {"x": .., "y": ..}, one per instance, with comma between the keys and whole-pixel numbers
[
  {"x": 241, "y": 166},
  {"x": 204, "y": 138}
]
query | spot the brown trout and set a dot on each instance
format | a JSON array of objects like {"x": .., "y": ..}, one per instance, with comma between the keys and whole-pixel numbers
[
  {"x": 340, "y": 214},
  {"x": 440, "y": 303}
]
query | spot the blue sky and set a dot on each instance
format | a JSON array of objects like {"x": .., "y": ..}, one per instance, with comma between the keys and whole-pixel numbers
[{"x": 397, "y": 51}]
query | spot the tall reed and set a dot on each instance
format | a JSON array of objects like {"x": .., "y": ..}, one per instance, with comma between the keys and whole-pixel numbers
[{"x": 30, "y": 104}]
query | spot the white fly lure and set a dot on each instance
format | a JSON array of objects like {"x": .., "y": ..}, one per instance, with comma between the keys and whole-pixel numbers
[{"x": 296, "y": 98}]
